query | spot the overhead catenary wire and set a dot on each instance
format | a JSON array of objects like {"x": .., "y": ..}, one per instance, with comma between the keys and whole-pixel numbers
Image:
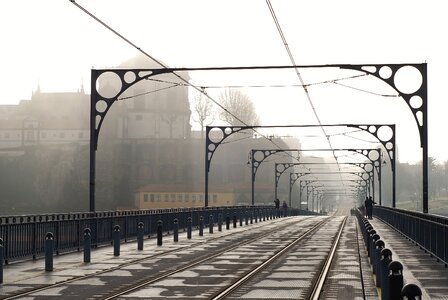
[
  {"x": 291, "y": 57},
  {"x": 197, "y": 88}
]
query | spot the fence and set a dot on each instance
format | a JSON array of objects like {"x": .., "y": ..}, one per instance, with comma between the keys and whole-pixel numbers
[
  {"x": 24, "y": 236},
  {"x": 428, "y": 231}
]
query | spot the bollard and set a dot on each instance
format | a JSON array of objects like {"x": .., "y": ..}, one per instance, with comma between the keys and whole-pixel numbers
[
  {"x": 395, "y": 280},
  {"x": 87, "y": 245},
  {"x": 210, "y": 224},
  {"x": 411, "y": 292},
  {"x": 370, "y": 233},
  {"x": 367, "y": 234},
  {"x": 159, "y": 233},
  {"x": 241, "y": 218},
  {"x": 251, "y": 217},
  {"x": 140, "y": 234},
  {"x": 379, "y": 245},
  {"x": 201, "y": 226},
  {"x": 116, "y": 240},
  {"x": 373, "y": 240},
  {"x": 246, "y": 218},
  {"x": 220, "y": 222},
  {"x": 227, "y": 222},
  {"x": 234, "y": 221},
  {"x": 189, "y": 229},
  {"x": 386, "y": 258},
  {"x": 256, "y": 216},
  {"x": 176, "y": 230},
  {"x": 1, "y": 260},
  {"x": 49, "y": 246}
]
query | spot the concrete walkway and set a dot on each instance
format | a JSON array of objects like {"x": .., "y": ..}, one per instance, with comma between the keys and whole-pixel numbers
[{"x": 418, "y": 267}]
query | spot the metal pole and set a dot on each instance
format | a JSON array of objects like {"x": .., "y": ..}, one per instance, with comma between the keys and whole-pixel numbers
[
  {"x": 207, "y": 165},
  {"x": 93, "y": 141},
  {"x": 253, "y": 177},
  {"x": 425, "y": 140},
  {"x": 379, "y": 178}
]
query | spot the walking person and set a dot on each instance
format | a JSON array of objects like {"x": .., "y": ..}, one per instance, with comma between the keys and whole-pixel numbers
[
  {"x": 369, "y": 206},
  {"x": 277, "y": 206},
  {"x": 285, "y": 208}
]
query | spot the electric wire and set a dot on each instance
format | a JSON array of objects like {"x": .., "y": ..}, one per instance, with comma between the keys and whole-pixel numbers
[
  {"x": 291, "y": 57},
  {"x": 146, "y": 93},
  {"x": 199, "y": 89}
]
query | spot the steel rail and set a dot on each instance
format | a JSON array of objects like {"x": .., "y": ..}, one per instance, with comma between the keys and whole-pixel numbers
[
  {"x": 144, "y": 282},
  {"x": 40, "y": 289},
  {"x": 266, "y": 263},
  {"x": 324, "y": 272}
]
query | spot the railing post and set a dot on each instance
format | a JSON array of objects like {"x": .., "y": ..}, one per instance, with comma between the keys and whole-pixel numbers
[
  {"x": 140, "y": 234},
  {"x": 234, "y": 220},
  {"x": 176, "y": 230},
  {"x": 1, "y": 260},
  {"x": 395, "y": 280},
  {"x": 220, "y": 222},
  {"x": 159, "y": 233},
  {"x": 210, "y": 224},
  {"x": 116, "y": 240},
  {"x": 201, "y": 226},
  {"x": 411, "y": 292},
  {"x": 87, "y": 245},
  {"x": 227, "y": 222},
  {"x": 386, "y": 258},
  {"x": 189, "y": 227},
  {"x": 370, "y": 233},
  {"x": 246, "y": 216},
  {"x": 49, "y": 246},
  {"x": 379, "y": 246}
]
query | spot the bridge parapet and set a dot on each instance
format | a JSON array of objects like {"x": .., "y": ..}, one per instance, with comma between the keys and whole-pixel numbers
[
  {"x": 428, "y": 231},
  {"x": 24, "y": 235}
]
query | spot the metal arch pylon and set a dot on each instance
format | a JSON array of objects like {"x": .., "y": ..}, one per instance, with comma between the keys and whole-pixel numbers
[
  {"x": 366, "y": 152},
  {"x": 385, "y": 72},
  {"x": 101, "y": 104},
  {"x": 286, "y": 166},
  {"x": 256, "y": 162},
  {"x": 226, "y": 131},
  {"x": 419, "y": 108},
  {"x": 294, "y": 176}
]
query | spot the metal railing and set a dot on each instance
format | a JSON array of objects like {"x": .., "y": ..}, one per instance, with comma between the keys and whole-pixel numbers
[
  {"x": 24, "y": 236},
  {"x": 428, "y": 231}
]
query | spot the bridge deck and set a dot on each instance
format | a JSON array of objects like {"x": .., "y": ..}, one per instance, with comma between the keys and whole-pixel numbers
[{"x": 419, "y": 267}]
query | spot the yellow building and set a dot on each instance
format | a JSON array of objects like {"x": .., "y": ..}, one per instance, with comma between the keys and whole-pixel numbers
[{"x": 181, "y": 196}]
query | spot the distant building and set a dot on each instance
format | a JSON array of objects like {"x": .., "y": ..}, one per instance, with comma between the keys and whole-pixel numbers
[
  {"x": 46, "y": 119},
  {"x": 181, "y": 195},
  {"x": 147, "y": 154}
]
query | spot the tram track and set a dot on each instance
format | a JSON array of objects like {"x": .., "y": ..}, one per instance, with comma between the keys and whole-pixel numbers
[
  {"x": 141, "y": 285},
  {"x": 268, "y": 262},
  {"x": 166, "y": 273}
]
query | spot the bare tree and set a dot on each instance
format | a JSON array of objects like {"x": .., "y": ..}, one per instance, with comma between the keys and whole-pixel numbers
[
  {"x": 203, "y": 110},
  {"x": 240, "y": 107}
]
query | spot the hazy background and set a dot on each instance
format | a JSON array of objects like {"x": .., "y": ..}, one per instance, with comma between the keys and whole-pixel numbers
[{"x": 52, "y": 45}]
